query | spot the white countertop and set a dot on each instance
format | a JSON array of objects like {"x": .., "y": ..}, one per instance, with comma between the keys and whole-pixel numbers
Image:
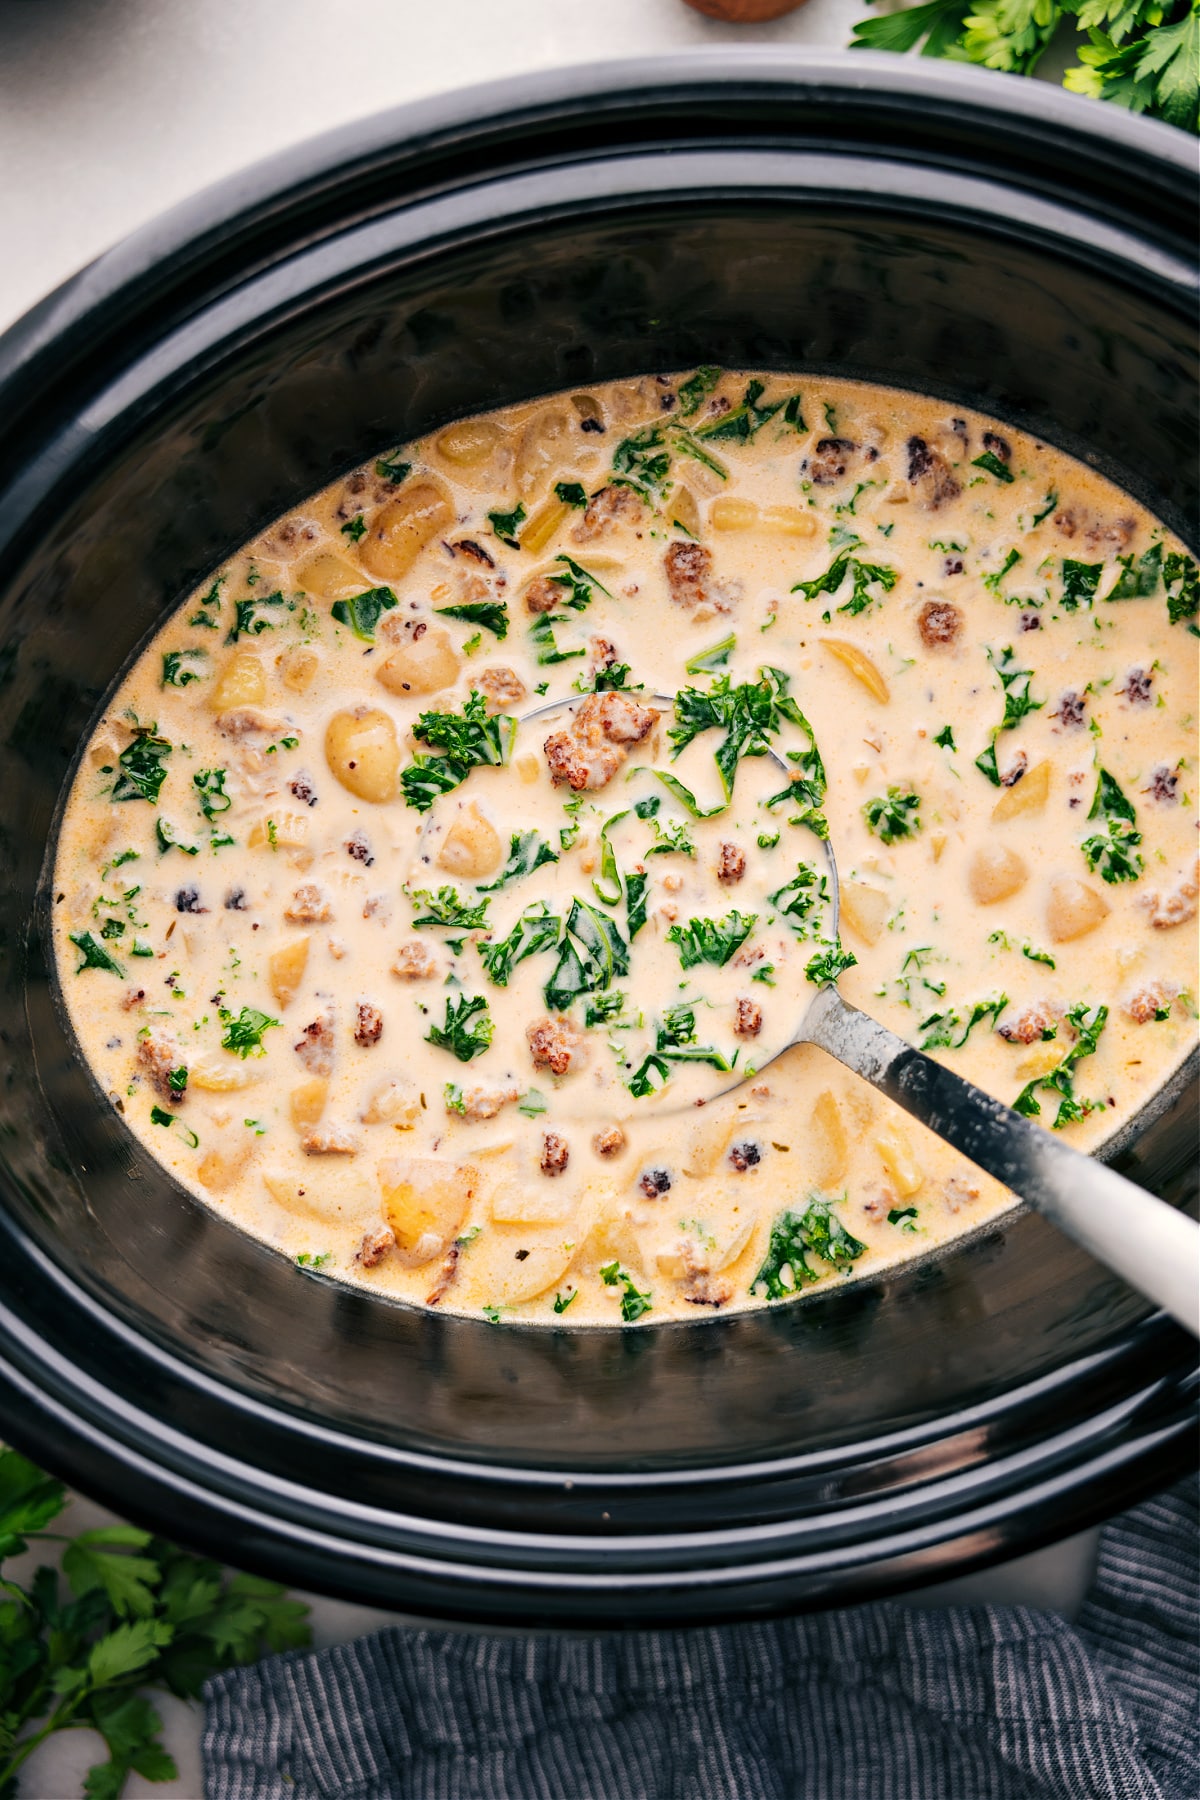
[{"x": 112, "y": 110}]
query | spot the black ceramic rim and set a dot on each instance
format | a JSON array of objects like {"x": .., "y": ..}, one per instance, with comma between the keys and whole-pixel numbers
[{"x": 954, "y": 1494}]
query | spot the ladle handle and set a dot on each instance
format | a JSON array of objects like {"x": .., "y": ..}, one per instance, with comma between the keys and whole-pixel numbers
[{"x": 1141, "y": 1238}]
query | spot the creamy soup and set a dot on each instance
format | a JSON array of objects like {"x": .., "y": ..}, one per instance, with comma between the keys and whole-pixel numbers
[{"x": 439, "y": 886}]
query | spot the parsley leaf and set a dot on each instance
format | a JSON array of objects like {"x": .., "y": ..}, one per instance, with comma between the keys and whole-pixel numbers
[
  {"x": 244, "y": 1035},
  {"x": 390, "y": 468},
  {"x": 894, "y": 815},
  {"x": 458, "y": 1034},
  {"x": 633, "y": 1303}
]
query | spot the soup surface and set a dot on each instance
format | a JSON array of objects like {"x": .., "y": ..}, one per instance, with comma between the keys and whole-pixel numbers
[{"x": 439, "y": 885}]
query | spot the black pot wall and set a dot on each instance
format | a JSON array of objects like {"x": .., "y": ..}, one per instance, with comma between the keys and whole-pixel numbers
[{"x": 208, "y": 376}]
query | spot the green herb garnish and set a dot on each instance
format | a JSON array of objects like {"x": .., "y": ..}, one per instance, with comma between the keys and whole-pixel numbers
[
  {"x": 571, "y": 493},
  {"x": 863, "y": 576},
  {"x": 894, "y": 815},
  {"x": 94, "y": 955},
  {"x": 943, "y": 1028},
  {"x": 994, "y": 465},
  {"x": 526, "y": 852},
  {"x": 446, "y": 906},
  {"x": 244, "y": 1035},
  {"x": 140, "y": 765},
  {"x": 536, "y": 930},
  {"x": 183, "y": 666},
  {"x": 633, "y": 1303}
]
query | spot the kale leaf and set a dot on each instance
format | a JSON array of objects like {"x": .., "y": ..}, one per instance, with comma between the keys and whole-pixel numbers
[{"x": 467, "y": 1030}]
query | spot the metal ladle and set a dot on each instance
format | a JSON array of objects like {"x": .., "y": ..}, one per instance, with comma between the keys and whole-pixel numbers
[{"x": 1148, "y": 1243}]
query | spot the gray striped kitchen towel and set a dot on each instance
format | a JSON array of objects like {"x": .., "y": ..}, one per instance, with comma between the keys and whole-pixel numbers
[{"x": 882, "y": 1702}]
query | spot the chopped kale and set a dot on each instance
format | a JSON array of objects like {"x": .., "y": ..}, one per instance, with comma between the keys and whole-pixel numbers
[
  {"x": 470, "y": 740},
  {"x": 1138, "y": 581},
  {"x": 458, "y": 1034},
  {"x": 992, "y": 581},
  {"x": 210, "y": 791},
  {"x": 1061, "y": 1080},
  {"x": 592, "y": 955},
  {"x": 635, "y": 903},
  {"x": 671, "y": 840},
  {"x": 993, "y": 464},
  {"x": 527, "y": 851},
  {"x": 716, "y": 658},
  {"x": 536, "y": 930},
  {"x": 390, "y": 468},
  {"x": 828, "y": 964},
  {"x": 696, "y": 389},
  {"x": 945, "y": 738},
  {"x": 94, "y": 955},
  {"x": 141, "y": 772},
  {"x": 249, "y": 623},
  {"x": 164, "y": 831},
  {"x": 1181, "y": 578},
  {"x": 1037, "y": 956},
  {"x": 711, "y": 940},
  {"x": 531, "y": 1104},
  {"x": 1114, "y": 851},
  {"x": 817, "y": 1230},
  {"x": 447, "y": 907},
  {"x": 491, "y": 614},
  {"x": 741, "y": 423},
  {"x": 182, "y": 666},
  {"x": 541, "y": 636},
  {"x": 355, "y": 529},
  {"x": 571, "y": 493},
  {"x": 863, "y": 576},
  {"x": 633, "y": 1303},
  {"x": 893, "y": 815},
  {"x": 798, "y": 899},
  {"x": 643, "y": 462},
  {"x": 603, "y": 1008},
  {"x": 1080, "y": 581},
  {"x": 562, "y": 1301},
  {"x": 1017, "y": 702},
  {"x": 363, "y": 611},
  {"x": 943, "y": 1028},
  {"x": 507, "y": 524},
  {"x": 749, "y": 715},
  {"x": 608, "y": 885}
]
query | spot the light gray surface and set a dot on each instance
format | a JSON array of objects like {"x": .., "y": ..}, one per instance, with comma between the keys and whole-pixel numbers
[{"x": 112, "y": 110}]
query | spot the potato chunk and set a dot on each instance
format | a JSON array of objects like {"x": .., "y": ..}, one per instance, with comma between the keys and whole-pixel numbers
[
  {"x": 362, "y": 751},
  {"x": 1028, "y": 795},
  {"x": 864, "y": 909},
  {"x": 242, "y": 682},
  {"x": 306, "y": 1102},
  {"x": 860, "y": 666},
  {"x": 425, "y": 1201},
  {"x": 471, "y": 847},
  {"x": 509, "y": 1264},
  {"x": 828, "y": 1145},
  {"x": 1073, "y": 909},
  {"x": 330, "y": 577},
  {"x": 421, "y": 664},
  {"x": 285, "y": 969},
  {"x": 896, "y": 1155},
  {"x": 995, "y": 873},
  {"x": 401, "y": 531}
]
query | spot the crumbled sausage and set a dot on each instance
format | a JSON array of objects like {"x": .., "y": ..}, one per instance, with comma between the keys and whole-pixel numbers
[
  {"x": 501, "y": 687},
  {"x": 744, "y": 1156},
  {"x": 929, "y": 471},
  {"x": 483, "y": 1103},
  {"x": 1147, "y": 1004},
  {"x": 328, "y": 1140},
  {"x": 1072, "y": 520},
  {"x": 415, "y": 961},
  {"x": 368, "y": 1026},
  {"x": 588, "y": 753},
  {"x": 187, "y": 900},
  {"x": 301, "y": 785},
  {"x": 235, "y": 900},
  {"x": 952, "y": 565},
  {"x": 747, "y": 1018},
  {"x": 556, "y": 1153},
  {"x": 689, "y": 573},
  {"x": 731, "y": 864},
  {"x": 308, "y": 906},
  {"x": 315, "y": 1048},
  {"x": 830, "y": 460},
  {"x": 603, "y": 654},
  {"x": 1015, "y": 769},
  {"x": 707, "y": 1290},
  {"x": 542, "y": 595},
  {"x": 610, "y": 1141},
  {"x": 1036, "y": 1023},
  {"x": 376, "y": 1244},
  {"x": 133, "y": 998},
  {"x": 249, "y": 721},
  {"x": 1176, "y": 907},
  {"x": 554, "y": 1044},
  {"x": 158, "y": 1056},
  {"x": 1071, "y": 709},
  {"x": 748, "y": 955},
  {"x": 939, "y": 623},
  {"x": 999, "y": 447},
  {"x": 446, "y": 1274},
  {"x": 606, "y": 509},
  {"x": 1030, "y": 621},
  {"x": 377, "y": 906},
  {"x": 959, "y": 1191},
  {"x": 359, "y": 849},
  {"x": 1164, "y": 785},
  {"x": 1139, "y": 687},
  {"x": 654, "y": 1183}
]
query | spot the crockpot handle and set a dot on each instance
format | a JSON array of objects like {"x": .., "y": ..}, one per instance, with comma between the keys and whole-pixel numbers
[{"x": 1148, "y": 1243}]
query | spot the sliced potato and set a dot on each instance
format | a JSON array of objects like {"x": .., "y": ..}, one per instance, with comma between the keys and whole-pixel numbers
[
  {"x": 896, "y": 1155},
  {"x": 281, "y": 831},
  {"x": 546, "y": 521},
  {"x": 509, "y": 1264},
  {"x": 730, "y": 513},
  {"x": 469, "y": 442},
  {"x": 330, "y": 577},
  {"x": 327, "y": 1191},
  {"x": 425, "y": 1201},
  {"x": 995, "y": 872},
  {"x": 521, "y": 1203},
  {"x": 864, "y": 909},
  {"x": 306, "y": 1102},
  {"x": 860, "y": 666},
  {"x": 285, "y": 969},
  {"x": 227, "y": 1076},
  {"x": 472, "y": 847},
  {"x": 422, "y": 665},
  {"x": 393, "y": 1103},
  {"x": 219, "y": 1169},
  {"x": 792, "y": 521},
  {"x": 298, "y": 668},
  {"x": 684, "y": 511},
  {"x": 828, "y": 1146},
  {"x": 708, "y": 1140},
  {"x": 1028, "y": 795}
]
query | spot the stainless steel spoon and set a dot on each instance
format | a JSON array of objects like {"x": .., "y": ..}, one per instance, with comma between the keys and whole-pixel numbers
[{"x": 1148, "y": 1243}]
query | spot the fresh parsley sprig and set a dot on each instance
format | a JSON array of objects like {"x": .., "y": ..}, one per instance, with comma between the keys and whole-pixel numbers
[{"x": 128, "y": 1613}]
